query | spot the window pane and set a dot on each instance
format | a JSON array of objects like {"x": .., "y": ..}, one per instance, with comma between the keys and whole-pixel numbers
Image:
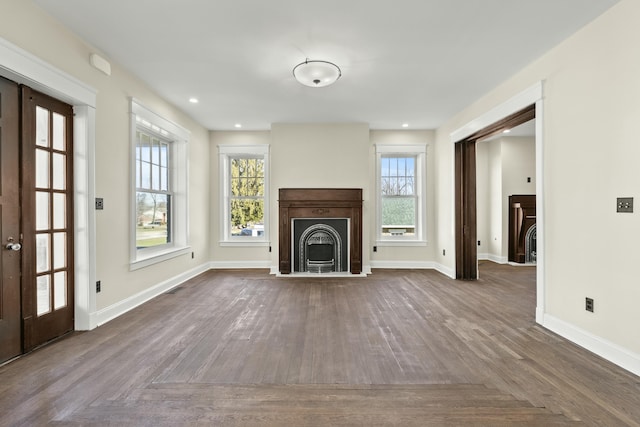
[
  {"x": 42, "y": 127},
  {"x": 247, "y": 217},
  {"x": 59, "y": 252},
  {"x": 43, "y": 294},
  {"x": 42, "y": 210},
  {"x": 153, "y": 219},
  {"x": 155, "y": 151},
  {"x": 247, "y": 177},
  {"x": 384, "y": 165},
  {"x": 393, "y": 166},
  {"x": 145, "y": 175},
  {"x": 59, "y": 290},
  {"x": 145, "y": 147},
  {"x": 58, "y": 132},
  {"x": 398, "y": 213},
  {"x": 59, "y": 171},
  {"x": 411, "y": 166},
  {"x": 402, "y": 170},
  {"x": 42, "y": 169},
  {"x": 164, "y": 179},
  {"x": 43, "y": 252},
  {"x": 164, "y": 154},
  {"x": 155, "y": 177}
]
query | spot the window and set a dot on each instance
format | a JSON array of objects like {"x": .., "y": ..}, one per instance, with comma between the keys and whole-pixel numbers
[
  {"x": 159, "y": 223},
  {"x": 153, "y": 192},
  {"x": 244, "y": 191},
  {"x": 400, "y": 194}
]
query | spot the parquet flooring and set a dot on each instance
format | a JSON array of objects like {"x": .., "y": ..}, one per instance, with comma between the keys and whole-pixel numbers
[{"x": 398, "y": 348}]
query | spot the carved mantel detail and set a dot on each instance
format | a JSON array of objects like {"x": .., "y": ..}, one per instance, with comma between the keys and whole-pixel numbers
[{"x": 320, "y": 203}]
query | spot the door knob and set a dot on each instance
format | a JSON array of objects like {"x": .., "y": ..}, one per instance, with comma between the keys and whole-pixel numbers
[{"x": 14, "y": 246}]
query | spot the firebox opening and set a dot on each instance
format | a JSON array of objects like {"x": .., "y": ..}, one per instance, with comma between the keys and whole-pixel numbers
[{"x": 320, "y": 245}]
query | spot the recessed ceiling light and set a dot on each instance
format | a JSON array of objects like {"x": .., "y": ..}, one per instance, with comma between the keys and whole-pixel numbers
[
  {"x": 238, "y": 125},
  {"x": 405, "y": 125},
  {"x": 193, "y": 100},
  {"x": 506, "y": 131}
]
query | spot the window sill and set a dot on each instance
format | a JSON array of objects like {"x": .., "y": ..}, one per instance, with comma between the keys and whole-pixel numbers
[
  {"x": 401, "y": 242},
  {"x": 257, "y": 243},
  {"x": 156, "y": 257}
]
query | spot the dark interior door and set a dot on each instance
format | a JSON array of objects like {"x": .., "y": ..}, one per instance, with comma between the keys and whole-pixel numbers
[
  {"x": 10, "y": 325},
  {"x": 47, "y": 218}
]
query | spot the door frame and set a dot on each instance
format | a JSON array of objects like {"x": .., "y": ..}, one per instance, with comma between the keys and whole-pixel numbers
[
  {"x": 533, "y": 95},
  {"x": 24, "y": 68}
]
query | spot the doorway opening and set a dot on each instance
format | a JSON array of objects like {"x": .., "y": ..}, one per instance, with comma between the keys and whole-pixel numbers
[
  {"x": 466, "y": 191},
  {"x": 506, "y": 194}
]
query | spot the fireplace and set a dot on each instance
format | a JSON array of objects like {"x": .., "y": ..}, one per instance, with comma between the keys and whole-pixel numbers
[
  {"x": 320, "y": 245},
  {"x": 522, "y": 229},
  {"x": 531, "y": 245},
  {"x": 320, "y": 230}
]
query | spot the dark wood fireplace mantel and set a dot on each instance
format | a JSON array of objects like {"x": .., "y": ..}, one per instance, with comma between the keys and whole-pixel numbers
[{"x": 320, "y": 203}]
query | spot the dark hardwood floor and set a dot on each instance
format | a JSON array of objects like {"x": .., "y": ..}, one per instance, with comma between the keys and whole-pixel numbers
[{"x": 398, "y": 348}]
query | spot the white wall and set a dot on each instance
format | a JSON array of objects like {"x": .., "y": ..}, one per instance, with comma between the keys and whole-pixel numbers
[
  {"x": 29, "y": 28},
  {"x": 591, "y": 110}
]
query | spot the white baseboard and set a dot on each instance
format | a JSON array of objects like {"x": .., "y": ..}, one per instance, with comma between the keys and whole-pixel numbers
[
  {"x": 494, "y": 258},
  {"x": 603, "y": 348},
  {"x": 217, "y": 265},
  {"x": 101, "y": 317},
  {"x": 417, "y": 265}
]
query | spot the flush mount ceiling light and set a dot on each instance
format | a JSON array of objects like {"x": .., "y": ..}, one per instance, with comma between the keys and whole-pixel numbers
[{"x": 316, "y": 73}]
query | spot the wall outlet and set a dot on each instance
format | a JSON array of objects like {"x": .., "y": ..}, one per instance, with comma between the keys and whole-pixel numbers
[
  {"x": 478, "y": 242},
  {"x": 375, "y": 249},
  {"x": 193, "y": 255},
  {"x": 99, "y": 203},
  {"x": 624, "y": 204},
  {"x": 588, "y": 304},
  {"x": 98, "y": 286},
  {"x": 444, "y": 252}
]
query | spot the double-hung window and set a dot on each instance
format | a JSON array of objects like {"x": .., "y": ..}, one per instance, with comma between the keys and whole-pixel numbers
[
  {"x": 159, "y": 217},
  {"x": 400, "y": 194},
  {"x": 244, "y": 190}
]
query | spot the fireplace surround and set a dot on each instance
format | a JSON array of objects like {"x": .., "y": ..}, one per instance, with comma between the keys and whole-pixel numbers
[
  {"x": 522, "y": 229},
  {"x": 320, "y": 203}
]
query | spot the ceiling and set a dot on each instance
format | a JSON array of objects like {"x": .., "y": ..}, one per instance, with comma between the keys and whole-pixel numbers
[{"x": 404, "y": 61}]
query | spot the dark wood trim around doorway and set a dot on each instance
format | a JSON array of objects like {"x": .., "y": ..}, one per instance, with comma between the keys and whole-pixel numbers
[{"x": 465, "y": 191}]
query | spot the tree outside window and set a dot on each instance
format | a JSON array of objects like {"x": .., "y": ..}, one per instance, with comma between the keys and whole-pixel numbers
[{"x": 246, "y": 199}]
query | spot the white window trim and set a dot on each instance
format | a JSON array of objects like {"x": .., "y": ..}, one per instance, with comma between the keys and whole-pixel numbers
[
  {"x": 225, "y": 153},
  {"x": 179, "y": 173},
  {"x": 420, "y": 151}
]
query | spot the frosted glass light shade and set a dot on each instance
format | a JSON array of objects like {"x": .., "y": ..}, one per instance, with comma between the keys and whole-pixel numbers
[{"x": 316, "y": 73}]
